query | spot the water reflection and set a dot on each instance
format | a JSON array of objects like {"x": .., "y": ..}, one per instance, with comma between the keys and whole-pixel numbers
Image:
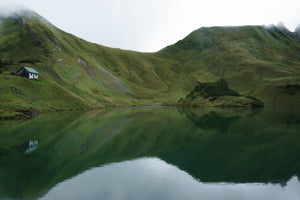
[
  {"x": 28, "y": 147},
  {"x": 152, "y": 178},
  {"x": 210, "y": 144},
  {"x": 217, "y": 118}
]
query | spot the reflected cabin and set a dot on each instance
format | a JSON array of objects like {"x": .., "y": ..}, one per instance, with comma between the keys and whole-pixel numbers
[{"x": 28, "y": 72}]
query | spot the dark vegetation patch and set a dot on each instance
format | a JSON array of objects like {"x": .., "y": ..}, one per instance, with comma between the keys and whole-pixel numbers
[
  {"x": 31, "y": 61},
  {"x": 217, "y": 94},
  {"x": 213, "y": 89},
  {"x": 23, "y": 114},
  {"x": 292, "y": 89}
]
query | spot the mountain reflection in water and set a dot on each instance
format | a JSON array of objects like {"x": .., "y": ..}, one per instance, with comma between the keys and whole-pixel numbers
[
  {"x": 152, "y": 178},
  {"x": 213, "y": 145}
]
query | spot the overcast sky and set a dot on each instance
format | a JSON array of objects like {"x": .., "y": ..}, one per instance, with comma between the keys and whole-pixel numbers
[{"x": 150, "y": 25}]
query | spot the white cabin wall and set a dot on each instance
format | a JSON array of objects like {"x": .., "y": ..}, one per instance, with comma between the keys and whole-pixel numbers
[{"x": 30, "y": 76}]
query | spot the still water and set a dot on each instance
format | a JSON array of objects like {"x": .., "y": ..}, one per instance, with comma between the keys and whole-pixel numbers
[{"x": 153, "y": 153}]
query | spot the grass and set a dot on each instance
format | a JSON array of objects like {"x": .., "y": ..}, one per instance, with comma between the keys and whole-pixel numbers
[{"x": 256, "y": 61}]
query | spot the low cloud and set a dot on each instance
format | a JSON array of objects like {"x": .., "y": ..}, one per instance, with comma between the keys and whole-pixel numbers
[
  {"x": 7, "y": 10},
  {"x": 151, "y": 25}
]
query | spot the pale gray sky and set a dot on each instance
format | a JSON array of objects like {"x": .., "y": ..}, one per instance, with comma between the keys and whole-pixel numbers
[
  {"x": 156, "y": 179},
  {"x": 150, "y": 25}
]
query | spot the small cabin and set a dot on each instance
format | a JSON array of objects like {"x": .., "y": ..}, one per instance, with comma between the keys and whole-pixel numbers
[
  {"x": 28, "y": 72},
  {"x": 28, "y": 147}
]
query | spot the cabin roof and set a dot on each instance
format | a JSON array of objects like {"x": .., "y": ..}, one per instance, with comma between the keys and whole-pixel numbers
[{"x": 31, "y": 70}]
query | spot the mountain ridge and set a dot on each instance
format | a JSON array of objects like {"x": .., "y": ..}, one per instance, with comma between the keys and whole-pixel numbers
[{"x": 75, "y": 74}]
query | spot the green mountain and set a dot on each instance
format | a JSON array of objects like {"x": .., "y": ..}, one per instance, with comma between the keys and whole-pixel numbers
[{"x": 258, "y": 61}]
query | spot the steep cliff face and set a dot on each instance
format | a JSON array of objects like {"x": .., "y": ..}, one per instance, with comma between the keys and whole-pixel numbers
[
  {"x": 297, "y": 32},
  {"x": 255, "y": 60}
]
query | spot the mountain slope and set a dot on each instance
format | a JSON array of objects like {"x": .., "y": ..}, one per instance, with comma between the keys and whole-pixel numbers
[
  {"x": 249, "y": 58},
  {"x": 75, "y": 74}
]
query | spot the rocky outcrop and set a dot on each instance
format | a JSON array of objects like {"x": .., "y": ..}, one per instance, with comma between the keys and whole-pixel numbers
[{"x": 217, "y": 94}]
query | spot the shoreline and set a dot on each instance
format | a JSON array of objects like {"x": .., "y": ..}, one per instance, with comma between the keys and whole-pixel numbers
[{"x": 33, "y": 113}]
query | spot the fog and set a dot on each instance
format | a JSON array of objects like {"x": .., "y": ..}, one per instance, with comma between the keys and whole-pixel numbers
[
  {"x": 10, "y": 9},
  {"x": 152, "y": 25}
]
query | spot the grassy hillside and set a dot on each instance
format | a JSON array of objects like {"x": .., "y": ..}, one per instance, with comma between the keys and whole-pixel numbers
[{"x": 75, "y": 74}]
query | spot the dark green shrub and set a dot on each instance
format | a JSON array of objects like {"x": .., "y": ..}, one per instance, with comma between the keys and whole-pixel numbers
[
  {"x": 31, "y": 61},
  {"x": 220, "y": 88}
]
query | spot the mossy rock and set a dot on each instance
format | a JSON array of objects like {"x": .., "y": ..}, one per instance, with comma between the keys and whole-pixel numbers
[{"x": 217, "y": 94}]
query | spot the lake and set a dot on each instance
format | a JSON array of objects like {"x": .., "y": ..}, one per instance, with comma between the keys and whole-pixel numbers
[{"x": 153, "y": 153}]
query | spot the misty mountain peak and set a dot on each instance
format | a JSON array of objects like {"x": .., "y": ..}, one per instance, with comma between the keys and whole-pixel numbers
[
  {"x": 20, "y": 14},
  {"x": 283, "y": 28}
]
